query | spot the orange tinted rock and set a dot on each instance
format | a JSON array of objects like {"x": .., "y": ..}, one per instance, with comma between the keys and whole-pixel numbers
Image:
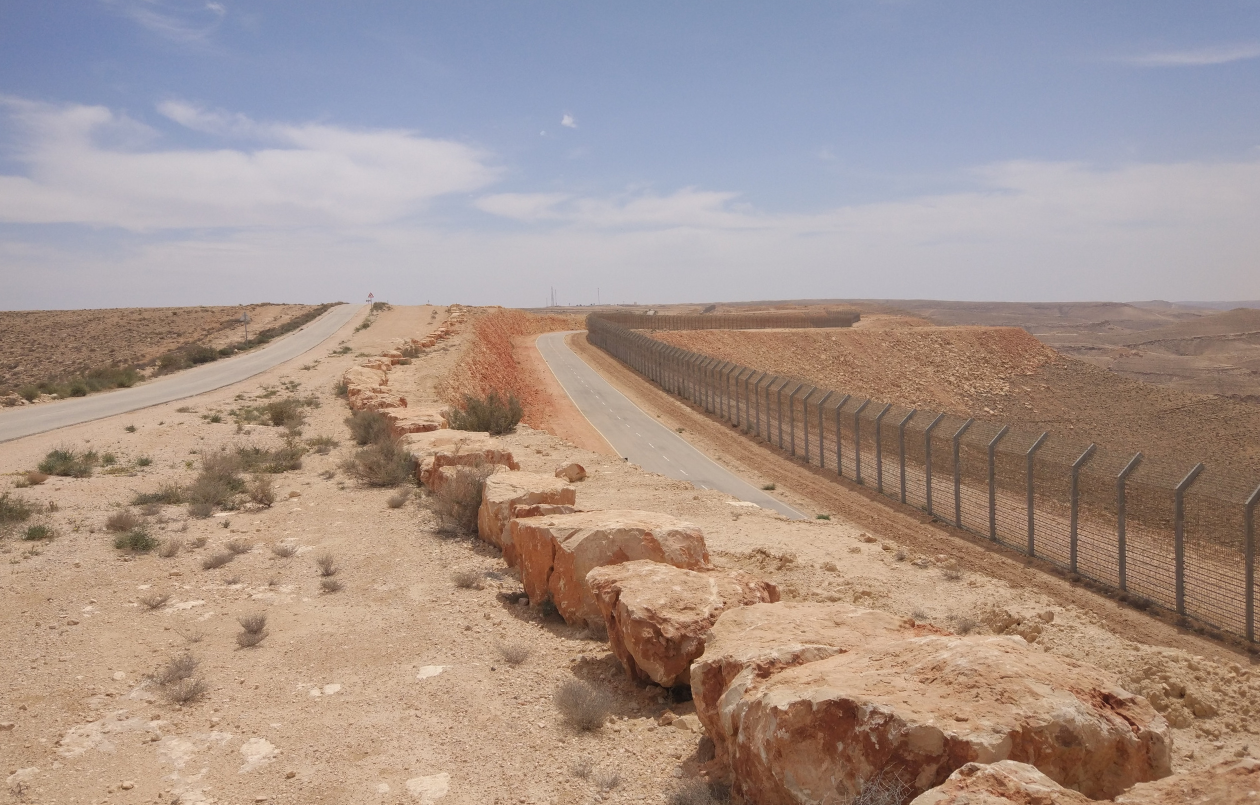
[
  {"x": 1225, "y": 783},
  {"x": 556, "y": 553},
  {"x": 376, "y": 399},
  {"x": 930, "y": 705},
  {"x": 503, "y": 492},
  {"x": 572, "y": 472},
  {"x": 414, "y": 420},
  {"x": 539, "y": 509},
  {"x": 446, "y": 447},
  {"x": 657, "y": 614},
  {"x": 1006, "y": 782},
  {"x": 748, "y": 645}
]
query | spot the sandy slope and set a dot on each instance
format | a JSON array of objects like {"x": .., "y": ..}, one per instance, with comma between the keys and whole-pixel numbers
[{"x": 343, "y": 702}]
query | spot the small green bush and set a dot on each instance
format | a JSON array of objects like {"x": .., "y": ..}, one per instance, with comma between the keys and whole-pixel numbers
[
  {"x": 37, "y": 532},
  {"x": 168, "y": 495},
  {"x": 491, "y": 414},
  {"x": 68, "y": 463},
  {"x": 138, "y": 540},
  {"x": 14, "y": 509}
]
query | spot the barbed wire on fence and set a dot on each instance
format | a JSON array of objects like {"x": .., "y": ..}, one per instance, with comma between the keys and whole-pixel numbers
[{"x": 1180, "y": 537}]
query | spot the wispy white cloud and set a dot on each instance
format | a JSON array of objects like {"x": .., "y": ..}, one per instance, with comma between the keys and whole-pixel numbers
[
  {"x": 90, "y": 165},
  {"x": 1200, "y": 57},
  {"x": 568, "y": 122},
  {"x": 176, "y": 20}
]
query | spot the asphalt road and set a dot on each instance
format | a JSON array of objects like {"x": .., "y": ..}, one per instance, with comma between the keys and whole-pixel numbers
[
  {"x": 639, "y": 437},
  {"x": 25, "y": 421}
]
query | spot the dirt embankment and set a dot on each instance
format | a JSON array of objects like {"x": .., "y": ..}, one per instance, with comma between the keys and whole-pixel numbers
[
  {"x": 1003, "y": 374},
  {"x": 489, "y": 362},
  {"x": 44, "y": 345}
]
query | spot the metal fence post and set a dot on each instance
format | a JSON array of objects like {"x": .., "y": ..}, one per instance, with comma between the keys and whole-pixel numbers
[
  {"x": 958, "y": 473},
  {"x": 1250, "y": 558},
  {"x": 927, "y": 460},
  {"x": 735, "y": 391},
  {"x": 805, "y": 421},
  {"x": 901, "y": 450},
  {"x": 840, "y": 406},
  {"x": 779, "y": 412},
  {"x": 1075, "y": 494},
  {"x": 756, "y": 398},
  {"x": 1179, "y": 545},
  {"x": 993, "y": 484},
  {"x": 857, "y": 441},
  {"x": 1122, "y": 554},
  {"x": 879, "y": 452},
  {"x": 822, "y": 433},
  {"x": 792, "y": 415},
  {"x": 1028, "y": 459}
]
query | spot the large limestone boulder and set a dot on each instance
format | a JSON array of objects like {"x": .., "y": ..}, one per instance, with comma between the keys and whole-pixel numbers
[
  {"x": 1006, "y": 782},
  {"x": 512, "y": 489},
  {"x": 750, "y": 644},
  {"x": 414, "y": 420},
  {"x": 446, "y": 447},
  {"x": 376, "y": 399},
  {"x": 364, "y": 378},
  {"x": 1233, "y": 781},
  {"x": 556, "y": 553},
  {"x": 929, "y": 705},
  {"x": 657, "y": 614},
  {"x": 571, "y": 472}
]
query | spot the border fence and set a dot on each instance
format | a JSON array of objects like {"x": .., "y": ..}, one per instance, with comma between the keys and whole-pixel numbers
[{"x": 1180, "y": 537}]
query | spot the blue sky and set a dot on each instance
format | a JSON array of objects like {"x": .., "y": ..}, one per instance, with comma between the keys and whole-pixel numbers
[{"x": 169, "y": 152}]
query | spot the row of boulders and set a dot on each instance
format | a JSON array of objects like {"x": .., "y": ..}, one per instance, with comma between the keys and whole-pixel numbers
[
  {"x": 815, "y": 703},
  {"x": 367, "y": 385}
]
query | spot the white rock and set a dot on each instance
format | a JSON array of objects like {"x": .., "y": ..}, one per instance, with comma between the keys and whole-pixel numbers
[{"x": 429, "y": 789}]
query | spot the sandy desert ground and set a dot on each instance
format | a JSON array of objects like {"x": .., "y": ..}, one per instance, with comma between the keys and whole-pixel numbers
[{"x": 397, "y": 688}]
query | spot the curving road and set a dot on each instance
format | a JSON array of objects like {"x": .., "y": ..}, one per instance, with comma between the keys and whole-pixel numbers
[
  {"x": 18, "y": 422},
  {"x": 639, "y": 437}
]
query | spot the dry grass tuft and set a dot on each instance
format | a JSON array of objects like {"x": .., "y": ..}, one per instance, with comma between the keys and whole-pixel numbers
[
  {"x": 515, "y": 653},
  {"x": 284, "y": 549},
  {"x": 170, "y": 547},
  {"x": 467, "y": 579},
  {"x": 254, "y": 623},
  {"x": 123, "y": 521},
  {"x": 399, "y": 498},
  {"x": 456, "y": 503},
  {"x": 327, "y": 564},
  {"x": 216, "y": 560},
  {"x": 185, "y": 691},
  {"x": 262, "y": 491},
  {"x": 606, "y": 779},
  {"x": 239, "y": 546},
  {"x": 330, "y": 585},
  {"x": 699, "y": 792},
  {"x": 582, "y": 768},
  {"x": 198, "y": 542},
  {"x": 964, "y": 625},
  {"x": 368, "y": 427},
  {"x": 583, "y": 706},
  {"x": 382, "y": 464},
  {"x": 155, "y": 600},
  {"x": 177, "y": 669}
]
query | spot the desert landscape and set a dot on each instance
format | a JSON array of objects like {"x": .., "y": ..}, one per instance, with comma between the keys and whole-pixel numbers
[{"x": 331, "y": 633}]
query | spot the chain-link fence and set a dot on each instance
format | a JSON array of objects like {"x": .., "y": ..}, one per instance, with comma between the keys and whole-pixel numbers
[{"x": 1181, "y": 537}]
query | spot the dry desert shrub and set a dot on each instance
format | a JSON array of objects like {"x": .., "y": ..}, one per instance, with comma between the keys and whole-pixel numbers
[
  {"x": 330, "y": 585},
  {"x": 198, "y": 542},
  {"x": 155, "y": 600},
  {"x": 606, "y": 779},
  {"x": 456, "y": 502},
  {"x": 262, "y": 491},
  {"x": 951, "y": 574},
  {"x": 582, "y": 768},
  {"x": 166, "y": 495},
  {"x": 583, "y": 706},
  {"x": 322, "y": 445},
  {"x": 883, "y": 789},
  {"x": 239, "y": 546},
  {"x": 185, "y": 691},
  {"x": 284, "y": 549},
  {"x": 467, "y": 579},
  {"x": 964, "y": 625},
  {"x": 32, "y": 478},
  {"x": 515, "y": 653},
  {"x": 699, "y": 792},
  {"x": 491, "y": 414},
  {"x": 14, "y": 509},
  {"x": 399, "y": 498},
  {"x": 253, "y": 630},
  {"x": 200, "y": 510},
  {"x": 368, "y": 427},
  {"x": 327, "y": 565},
  {"x": 217, "y": 560},
  {"x": 170, "y": 547},
  {"x": 177, "y": 668},
  {"x": 137, "y": 540},
  {"x": 384, "y": 463},
  {"x": 125, "y": 520},
  {"x": 69, "y": 463}
]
